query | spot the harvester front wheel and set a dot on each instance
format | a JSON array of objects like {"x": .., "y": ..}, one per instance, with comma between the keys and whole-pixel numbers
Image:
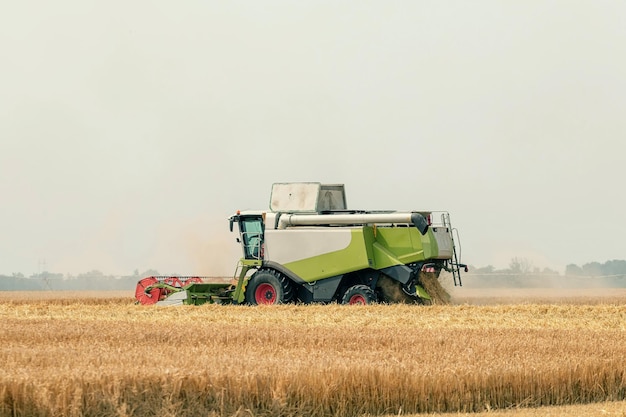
[
  {"x": 265, "y": 287},
  {"x": 359, "y": 294}
]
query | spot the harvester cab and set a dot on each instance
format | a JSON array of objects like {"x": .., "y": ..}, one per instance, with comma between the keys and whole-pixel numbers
[{"x": 251, "y": 230}]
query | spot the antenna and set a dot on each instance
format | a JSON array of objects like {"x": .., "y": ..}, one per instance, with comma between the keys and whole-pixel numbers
[{"x": 43, "y": 274}]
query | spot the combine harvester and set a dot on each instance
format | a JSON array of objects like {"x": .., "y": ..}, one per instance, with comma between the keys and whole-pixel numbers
[{"x": 309, "y": 248}]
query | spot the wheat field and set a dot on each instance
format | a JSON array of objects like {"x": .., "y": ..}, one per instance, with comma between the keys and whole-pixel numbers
[{"x": 94, "y": 356}]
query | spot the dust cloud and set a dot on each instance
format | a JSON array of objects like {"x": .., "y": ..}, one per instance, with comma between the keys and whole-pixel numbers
[{"x": 535, "y": 290}]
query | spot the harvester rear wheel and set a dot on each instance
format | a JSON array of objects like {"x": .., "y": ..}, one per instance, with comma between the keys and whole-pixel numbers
[
  {"x": 359, "y": 294},
  {"x": 268, "y": 287}
]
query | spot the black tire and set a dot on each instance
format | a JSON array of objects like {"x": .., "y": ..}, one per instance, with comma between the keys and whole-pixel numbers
[
  {"x": 268, "y": 287},
  {"x": 359, "y": 294}
]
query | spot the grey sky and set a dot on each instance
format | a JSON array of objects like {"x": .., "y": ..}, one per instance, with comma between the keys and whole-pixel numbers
[{"x": 131, "y": 130}]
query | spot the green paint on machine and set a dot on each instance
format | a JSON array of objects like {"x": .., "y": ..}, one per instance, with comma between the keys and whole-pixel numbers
[{"x": 370, "y": 247}]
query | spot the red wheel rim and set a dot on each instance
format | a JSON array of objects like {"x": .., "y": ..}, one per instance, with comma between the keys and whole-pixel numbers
[
  {"x": 357, "y": 299},
  {"x": 265, "y": 294}
]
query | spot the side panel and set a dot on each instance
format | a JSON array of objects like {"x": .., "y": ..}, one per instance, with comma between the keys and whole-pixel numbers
[
  {"x": 444, "y": 242},
  {"x": 402, "y": 245},
  {"x": 429, "y": 243},
  {"x": 315, "y": 253}
]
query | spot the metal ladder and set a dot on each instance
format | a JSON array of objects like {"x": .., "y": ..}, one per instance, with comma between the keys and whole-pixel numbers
[{"x": 455, "y": 266}]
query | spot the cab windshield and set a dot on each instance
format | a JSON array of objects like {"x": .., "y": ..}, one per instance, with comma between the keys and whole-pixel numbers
[{"x": 251, "y": 229}]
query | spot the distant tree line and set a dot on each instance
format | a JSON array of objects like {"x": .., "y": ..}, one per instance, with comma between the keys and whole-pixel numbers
[
  {"x": 522, "y": 266},
  {"x": 522, "y": 273},
  {"x": 517, "y": 266},
  {"x": 596, "y": 269},
  {"x": 92, "y": 280}
]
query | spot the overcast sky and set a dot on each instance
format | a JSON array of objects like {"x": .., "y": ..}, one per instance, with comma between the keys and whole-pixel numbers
[{"x": 131, "y": 130}]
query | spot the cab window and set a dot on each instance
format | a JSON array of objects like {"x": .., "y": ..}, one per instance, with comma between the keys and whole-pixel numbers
[{"x": 252, "y": 235}]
